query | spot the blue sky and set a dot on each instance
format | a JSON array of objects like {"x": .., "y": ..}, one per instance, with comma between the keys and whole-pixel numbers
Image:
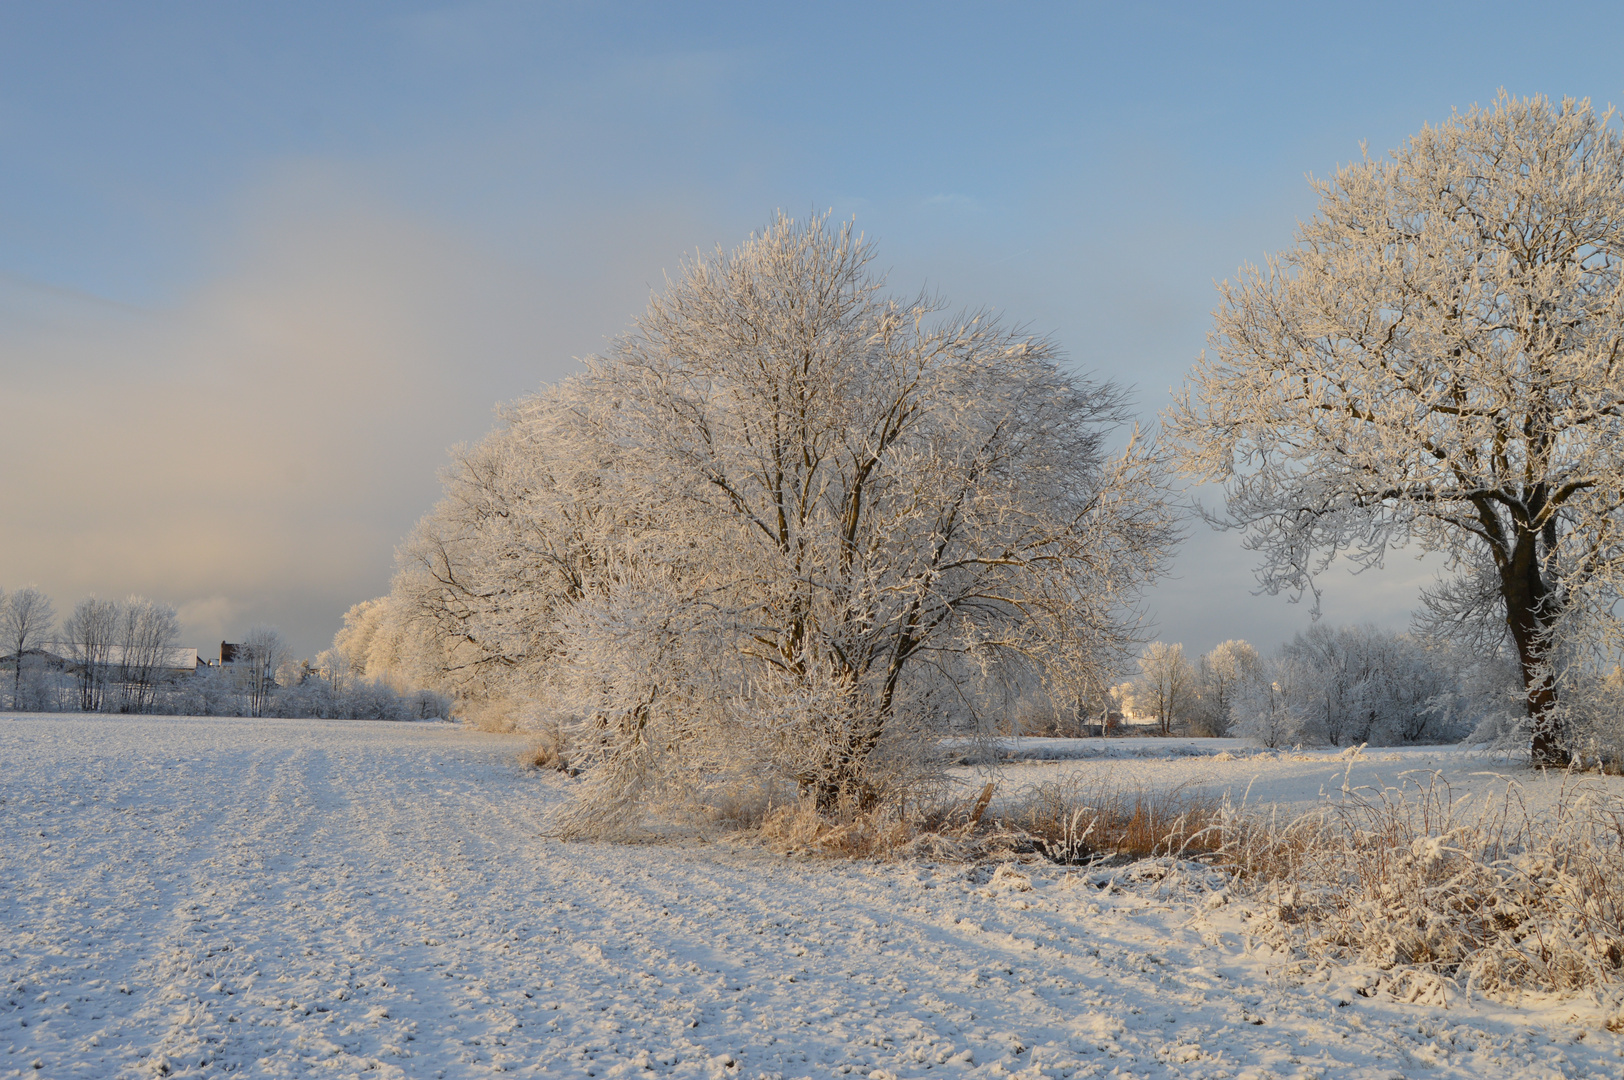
[{"x": 261, "y": 265}]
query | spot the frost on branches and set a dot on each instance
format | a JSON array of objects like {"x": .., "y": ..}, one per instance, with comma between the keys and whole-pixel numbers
[
  {"x": 789, "y": 531},
  {"x": 1440, "y": 362}
]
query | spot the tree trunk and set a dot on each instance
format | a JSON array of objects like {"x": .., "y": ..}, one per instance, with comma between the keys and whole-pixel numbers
[{"x": 1530, "y": 617}]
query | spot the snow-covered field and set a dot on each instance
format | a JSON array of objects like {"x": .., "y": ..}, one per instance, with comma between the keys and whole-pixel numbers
[
  {"x": 191, "y": 897},
  {"x": 1291, "y": 781}
]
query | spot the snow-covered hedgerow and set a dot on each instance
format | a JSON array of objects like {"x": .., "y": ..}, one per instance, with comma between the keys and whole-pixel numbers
[{"x": 1428, "y": 888}]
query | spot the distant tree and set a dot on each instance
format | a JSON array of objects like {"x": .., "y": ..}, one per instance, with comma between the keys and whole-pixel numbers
[
  {"x": 91, "y": 633},
  {"x": 1269, "y": 710},
  {"x": 26, "y": 619},
  {"x": 1339, "y": 666},
  {"x": 146, "y": 639},
  {"x": 1219, "y": 676},
  {"x": 1166, "y": 684},
  {"x": 1365, "y": 684},
  {"x": 259, "y": 657},
  {"x": 333, "y": 666},
  {"x": 1123, "y": 697},
  {"x": 1437, "y": 363}
]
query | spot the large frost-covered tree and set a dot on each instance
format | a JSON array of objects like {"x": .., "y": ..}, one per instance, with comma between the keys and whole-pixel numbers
[
  {"x": 1439, "y": 361},
  {"x": 794, "y": 526}
]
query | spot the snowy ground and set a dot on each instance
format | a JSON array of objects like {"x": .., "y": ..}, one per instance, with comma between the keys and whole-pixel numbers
[
  {"x": 1288, "y": 780},
  {"x": 288, "y": 898}
]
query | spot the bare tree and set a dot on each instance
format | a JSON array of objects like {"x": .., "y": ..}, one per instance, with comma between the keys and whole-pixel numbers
[
  {"x": 1166, "y": 684},
  {"x": 1437, "y": 362},
  {"x": 26, "y": 618},
  {"x": 91, "y": 632},
  {"x": 146, "y": 640},
  {"x": 258, "y": 658}
]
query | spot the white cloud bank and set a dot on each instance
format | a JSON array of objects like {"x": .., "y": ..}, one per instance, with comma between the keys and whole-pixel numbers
[{"x": 255, "y": 453}]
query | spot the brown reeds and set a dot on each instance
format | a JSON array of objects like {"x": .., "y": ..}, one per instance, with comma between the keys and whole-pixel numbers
[
  {"x": 1070, "y": 822},
  {"x": 1077, "y": 821}
]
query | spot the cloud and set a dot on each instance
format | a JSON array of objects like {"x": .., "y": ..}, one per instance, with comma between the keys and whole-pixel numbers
[
  {"x": 256, "y": 451},
  {"x": 1212, "y": 595}
]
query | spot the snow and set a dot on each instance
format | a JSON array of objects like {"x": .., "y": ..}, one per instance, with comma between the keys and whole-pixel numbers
[
  {"x": 191, "y": 897},
  {"x": 1290, "y": 780}
]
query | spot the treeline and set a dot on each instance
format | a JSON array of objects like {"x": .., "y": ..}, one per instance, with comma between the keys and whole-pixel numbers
[
  {"x": 1329, "y": 685},
  {"x": 122, "y": 656}
]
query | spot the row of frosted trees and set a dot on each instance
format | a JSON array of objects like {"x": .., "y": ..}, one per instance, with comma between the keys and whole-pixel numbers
[
  {"x": 1342, "y": 685},
  {"x": 120, "y": 656},
  {"x": 119, "y": 653}
]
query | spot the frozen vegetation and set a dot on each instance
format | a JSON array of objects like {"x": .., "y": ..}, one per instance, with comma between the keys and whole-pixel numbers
[{"x": 194, "y": 897}]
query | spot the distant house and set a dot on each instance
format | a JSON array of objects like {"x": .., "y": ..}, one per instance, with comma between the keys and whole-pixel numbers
[
  {"x": 40, "y": 658},
  {"x": 228, "y": 653},
  {"x": 59, "y": 655}
]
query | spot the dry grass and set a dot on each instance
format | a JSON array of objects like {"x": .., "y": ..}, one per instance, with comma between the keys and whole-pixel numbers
[
  {"x": 940, "y": 828},
  {"x": 1076, "y": 822},
  {"x": 800, "y": 828},
  {"x": 1069, "y": 823},
  {"x": 548, "y": 750},
  {"x": 1486, "y": 895},
  {"x": 1432, "y": 890}
]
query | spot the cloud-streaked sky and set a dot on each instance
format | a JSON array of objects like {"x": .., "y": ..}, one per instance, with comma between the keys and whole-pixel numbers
[{"x": 261, "y": 265}]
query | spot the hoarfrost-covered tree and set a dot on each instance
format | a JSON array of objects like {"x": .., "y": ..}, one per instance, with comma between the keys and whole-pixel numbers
[
  {"x": 525, "y": 530},
  {"x": 375, "y": 644},
  {"x": 1438, "y": 363},
  {"x": 1364, "y": 684},
  {"x": 1165, "y": 688},
  {"x": 1269, "y": 710},
  {"x": 26, "y": 618},
  {"x": 1219, "y": 676},
  {"x": 335, "y": 667},
  {"x": 863, "y": 511},
  {"x": 792, "y": 528}
]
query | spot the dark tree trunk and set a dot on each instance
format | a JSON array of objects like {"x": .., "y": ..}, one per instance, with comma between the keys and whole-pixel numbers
[{"x": 1530, "y": 615}]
